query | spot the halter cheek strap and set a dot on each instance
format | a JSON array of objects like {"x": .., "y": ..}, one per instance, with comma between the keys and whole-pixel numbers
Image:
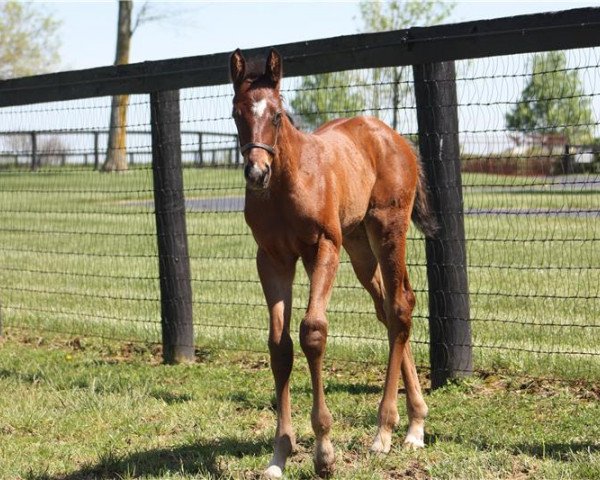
[{"x": 251, "y": 145}]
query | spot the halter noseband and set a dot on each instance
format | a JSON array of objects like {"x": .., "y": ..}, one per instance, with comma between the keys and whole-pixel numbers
[{"x": 264, "y": 146}]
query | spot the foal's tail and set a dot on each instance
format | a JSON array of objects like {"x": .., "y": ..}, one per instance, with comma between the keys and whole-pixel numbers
[{"x": 422, "y": 215}]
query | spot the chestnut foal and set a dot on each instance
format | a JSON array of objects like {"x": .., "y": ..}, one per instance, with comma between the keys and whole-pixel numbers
[{"x": 352, "y": 184}]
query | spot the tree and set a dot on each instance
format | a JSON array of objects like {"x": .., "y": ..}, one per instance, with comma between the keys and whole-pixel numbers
[
  {"x": 116, "y": 155},
  {"x": 29, "y": 42},
  {"x": 553, "y": 102},
  {"x": 380, "y": 16},
  {"x": 327, "y": 96}
]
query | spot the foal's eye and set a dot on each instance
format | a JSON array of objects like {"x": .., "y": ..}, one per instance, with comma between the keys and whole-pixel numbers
[{"x": 277, "y": 118}]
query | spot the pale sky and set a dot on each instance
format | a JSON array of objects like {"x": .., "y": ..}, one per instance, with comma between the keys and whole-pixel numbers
[{"x": 89, "y": 27}]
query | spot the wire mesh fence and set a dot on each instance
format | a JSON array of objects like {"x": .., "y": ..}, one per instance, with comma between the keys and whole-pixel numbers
[
  {"x": 79, "y": 251},
  {"x": 532, "y": 207}
]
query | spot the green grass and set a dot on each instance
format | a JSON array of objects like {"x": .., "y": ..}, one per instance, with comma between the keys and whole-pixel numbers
[
  {"x": 78, "y": 409},
  {"x": 78, "y": 255}
]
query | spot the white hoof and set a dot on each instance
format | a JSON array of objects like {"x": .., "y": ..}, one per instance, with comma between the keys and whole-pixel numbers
[
  {"x": 274, "y": 471},
  {"x": 413, "y": 442},
  {"x": 382, "y": 442}
]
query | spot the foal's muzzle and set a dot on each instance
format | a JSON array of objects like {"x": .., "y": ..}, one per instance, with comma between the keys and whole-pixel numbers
[
  {"x": 257, "y": 170},
  {"x": 257, "y": 178}
]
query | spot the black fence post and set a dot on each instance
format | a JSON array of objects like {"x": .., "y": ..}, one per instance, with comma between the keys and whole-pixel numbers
[
  {"x": 34, "y": 159},
  {"x": 449, "y": 318},
  {"x": 200, "y": 150},
  {"x": 96, "y": 150},
  {"x": 173, "y": 258}
]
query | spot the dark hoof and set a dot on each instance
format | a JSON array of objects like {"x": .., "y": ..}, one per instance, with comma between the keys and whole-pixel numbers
[{"x": 324, "y": 470}]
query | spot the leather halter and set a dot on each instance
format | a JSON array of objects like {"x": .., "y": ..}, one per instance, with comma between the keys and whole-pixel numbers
[{"x": 264, "y": 146}]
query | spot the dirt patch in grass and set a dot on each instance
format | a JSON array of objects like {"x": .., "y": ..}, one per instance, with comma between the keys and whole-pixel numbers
[
  {"x": 541, "y": 387},
  {"x": 414, "y": 470},
  {"x": 521, "y": 470}
]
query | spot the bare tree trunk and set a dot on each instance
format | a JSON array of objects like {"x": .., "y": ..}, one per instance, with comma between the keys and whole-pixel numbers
[
  {"x": 376, "y": 102},
  {"x": 116, "y": 154},
  {"x": 397, "y": 77}
]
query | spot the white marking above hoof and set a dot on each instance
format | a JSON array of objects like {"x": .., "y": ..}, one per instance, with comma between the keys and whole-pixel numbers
[
  {"x": 382, "y": 443},
  {"x": 273, "y": 471},
  {"x": 413, "y": 442}
]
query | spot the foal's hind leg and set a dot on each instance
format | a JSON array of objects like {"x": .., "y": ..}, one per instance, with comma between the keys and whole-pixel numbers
[
  {"x": 276, "y": 279},
  {"x": 387, "y": 236},
  {"x": 415, "y": 405},
  {"x": 368, "y": 272}
]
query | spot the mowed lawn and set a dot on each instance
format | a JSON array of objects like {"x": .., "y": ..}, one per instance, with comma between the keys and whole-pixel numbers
[
  {"x": 84, "y": 394},
  {"x": 78, "y": 255},
  {"x": 79, "y": 409}
]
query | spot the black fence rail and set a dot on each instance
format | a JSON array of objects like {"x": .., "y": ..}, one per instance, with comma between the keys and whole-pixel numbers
[{"x": 512, "y": 282}]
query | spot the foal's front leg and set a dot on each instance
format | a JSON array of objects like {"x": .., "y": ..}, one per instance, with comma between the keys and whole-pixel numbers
[
  {"x": 321, "y": 265},
  {"x": 276, "y": 278}
]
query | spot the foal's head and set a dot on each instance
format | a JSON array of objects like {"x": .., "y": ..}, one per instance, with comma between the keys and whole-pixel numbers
[{"x": 257, "y": 111}]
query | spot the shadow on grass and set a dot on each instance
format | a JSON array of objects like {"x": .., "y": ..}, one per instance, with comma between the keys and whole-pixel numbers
[
  {"x": 353, "y": 388},
  {"x": 171, "y": 398},
  {"x": 198, "y": 458},
  {"x": 31, "y": 378},
  {"x": 335, "y": 386},
  {"x": 562, "y": 452}
]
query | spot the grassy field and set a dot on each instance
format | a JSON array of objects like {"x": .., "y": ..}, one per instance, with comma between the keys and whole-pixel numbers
[
  {"x": 75, "y": 409},
  {"x": 84, "y": 394},
  {"x": 79, "y": 256}
]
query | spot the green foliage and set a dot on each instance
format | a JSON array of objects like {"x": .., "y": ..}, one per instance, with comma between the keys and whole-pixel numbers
[
  {"x": 553, "y": 101},
  {"x": 29, "y": 42},
  {"x": 397, "y": 14},
  {"x": 324, "y": 97}
]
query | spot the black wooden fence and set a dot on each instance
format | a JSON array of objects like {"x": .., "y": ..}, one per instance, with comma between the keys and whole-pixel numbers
[{"x": 430, "y": 51}]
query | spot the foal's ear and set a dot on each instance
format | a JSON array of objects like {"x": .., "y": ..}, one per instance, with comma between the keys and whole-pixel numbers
[
  {"x": 274, "y": 69},
  {"x": 237, "y": 67}
]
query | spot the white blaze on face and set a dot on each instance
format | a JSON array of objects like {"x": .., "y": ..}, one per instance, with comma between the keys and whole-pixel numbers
[{"x": 258, "y": 108}]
